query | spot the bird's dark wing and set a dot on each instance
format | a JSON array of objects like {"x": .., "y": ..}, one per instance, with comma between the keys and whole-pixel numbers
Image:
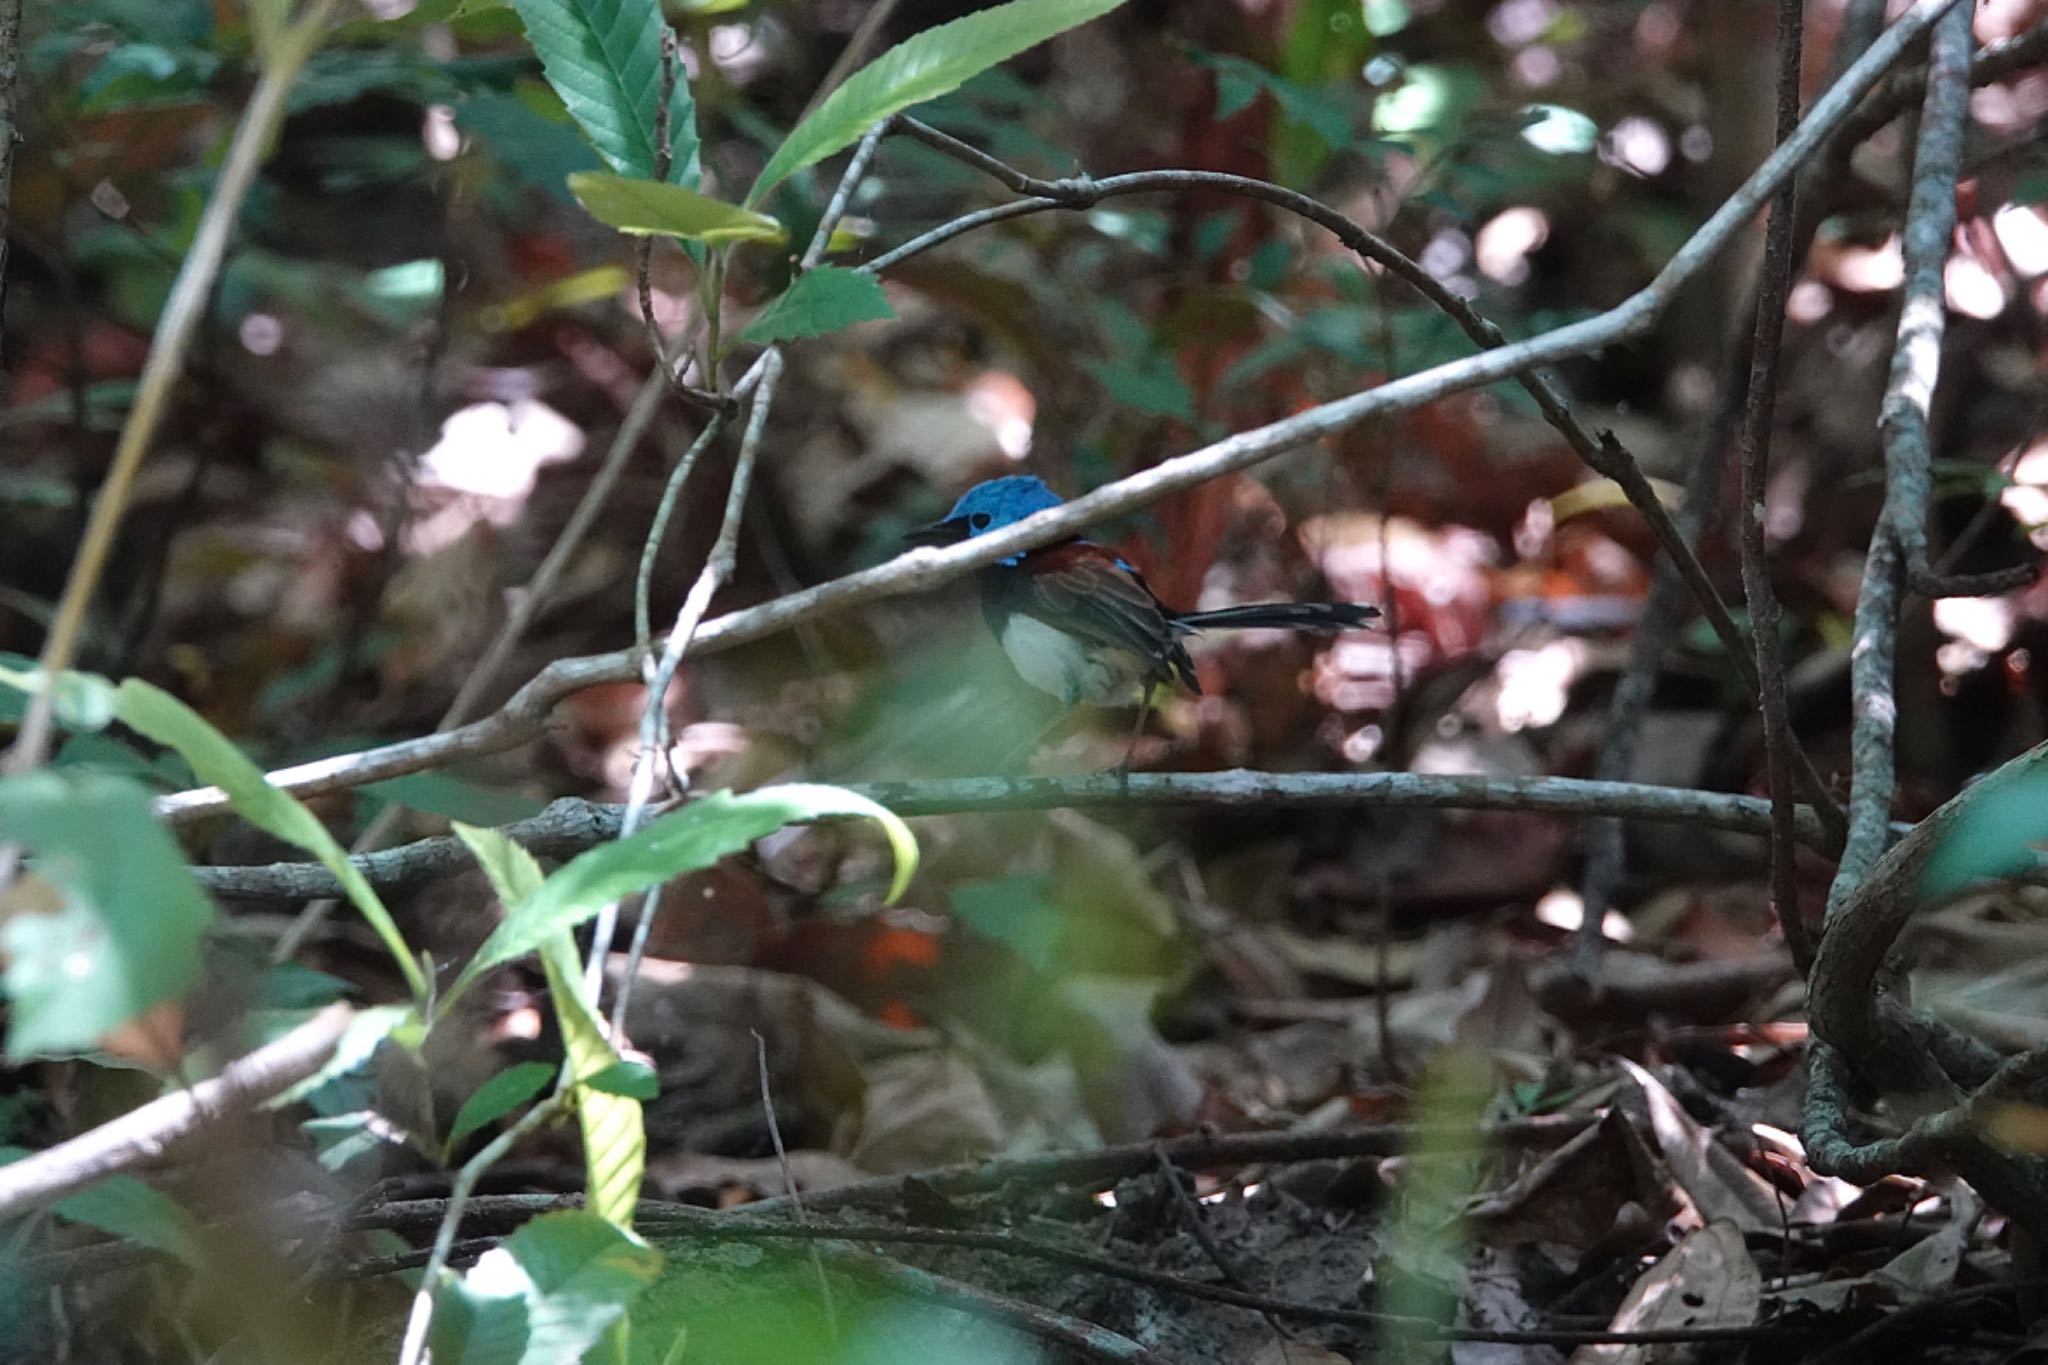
[{"x": 1087, "y": 591}]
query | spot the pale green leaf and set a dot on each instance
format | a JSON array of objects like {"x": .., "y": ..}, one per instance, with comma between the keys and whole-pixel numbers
[
  {"x": 920, "y": 68},
  {"x": 821, "y": 300},
  {"x": 576, "y": 1275},
  {"x": 511, "y": 870},
  {"x": 682, "y": 841},
  {"x": 214, "y": 758},
  {"x": 614, "y": 1131},
  {"x": 648, "y": 208},
  {"x": 128, "y": 932},
  {"x": 84, "y": 701},
  {"x": 474, "y": 1327}
]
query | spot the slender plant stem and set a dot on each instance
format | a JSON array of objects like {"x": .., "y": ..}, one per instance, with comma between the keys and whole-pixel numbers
[
  {"x": 1754, "y": 445},
  {"x": 413, "y": 1350}
]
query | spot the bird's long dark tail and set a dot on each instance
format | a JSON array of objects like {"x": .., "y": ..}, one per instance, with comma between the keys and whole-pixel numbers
[{"x": 1281, "y": 616}]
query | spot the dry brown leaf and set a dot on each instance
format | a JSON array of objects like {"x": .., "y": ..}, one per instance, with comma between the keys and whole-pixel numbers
[
  {"x": 1568, "y": 1201},
  {"x": 1718, "y": 1183},
  {"x": 1707, "y": 1280}
]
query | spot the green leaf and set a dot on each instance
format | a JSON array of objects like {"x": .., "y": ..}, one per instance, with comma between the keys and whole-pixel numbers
[
  {"x": 214, "y": 759},
  {"x": 534, "y": 149},
  {"x": 634, "y": 1080},
  {"x": 682, "y": 841},
  {"x": 138, "y": 1213},
  {"x": 368, "y": 1030},
  {"x": 512, "y": 871},
  {"x": 499, "y": 1096},
  {"x": 614, "y": 1134},
  {"x": 85, "y": 701},
  {"x": 456, "y": 798},
  {"x": 127, "y": 935},
  {"x": 614, "y": 1131},
  {"x": 477, "y": 1326},
  {"x": 604, "y": 58},
  {"x": 645, "y": 207},
  {"x": 821, "y": 300},
  {"x": 575, "y": 1274},
  {"x": 1239, "y": 82},
  {"x": 1998, "y": 829},
  {"x": 1148, "y": 385},
  {"x": 921, "y": 68},
  {"x": 1017, "y": 911}
]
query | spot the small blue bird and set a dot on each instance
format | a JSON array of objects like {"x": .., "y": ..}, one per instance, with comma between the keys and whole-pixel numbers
[{"x": 1076, "y": 620}]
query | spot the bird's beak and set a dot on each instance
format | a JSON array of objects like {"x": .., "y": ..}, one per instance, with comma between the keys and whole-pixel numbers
[{"x": 949, "y": 532}]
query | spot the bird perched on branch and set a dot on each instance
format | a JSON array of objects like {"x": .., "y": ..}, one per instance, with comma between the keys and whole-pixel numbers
[{"x": 1075, "y": 618}]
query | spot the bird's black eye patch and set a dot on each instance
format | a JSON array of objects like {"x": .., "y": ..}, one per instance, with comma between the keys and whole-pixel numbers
[{"x": 979, "y": 521}]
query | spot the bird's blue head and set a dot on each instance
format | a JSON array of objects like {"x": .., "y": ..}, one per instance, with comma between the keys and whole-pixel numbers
[{"x": 989, "y": 507}]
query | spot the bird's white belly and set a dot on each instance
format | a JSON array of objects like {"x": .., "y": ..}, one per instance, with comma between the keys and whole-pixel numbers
[{"x": 1053, "y": 661}]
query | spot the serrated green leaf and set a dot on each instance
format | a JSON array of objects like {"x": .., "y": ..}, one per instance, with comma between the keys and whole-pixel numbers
[
  {"x": 634, "y": 1080},
  {"x": 821, "y": 300},
  {"x": 920, "y": 68},
  {"x": 127, "y": 936},
  {"x": 604, "y": 58},
  {"x": 499, "y": 1096},
  {"x": 214, "y": 758},
  {"x": 647, "y": 208},
  {"x": 682, "y": 841}
]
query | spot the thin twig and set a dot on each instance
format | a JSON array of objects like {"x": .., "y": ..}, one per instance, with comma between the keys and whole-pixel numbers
[
  {"x": 144, "y": 1134},
  {"x": 1087, "y": 1170},
  {"x": 664, "y": 508},
  {"x": 415, "y": 1344},
  {"x": 525, "y": 714},
  {"x": 789, "y": 1185},
  {"x": 1773, "y": 289},
  {"x": 718, "y": 568},
  {"x": 571, "y": 824},
  {"x": 254, "y": 138},
  {"x": 1994, "y": 61},
  {"x": 661, "y": 672}
]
